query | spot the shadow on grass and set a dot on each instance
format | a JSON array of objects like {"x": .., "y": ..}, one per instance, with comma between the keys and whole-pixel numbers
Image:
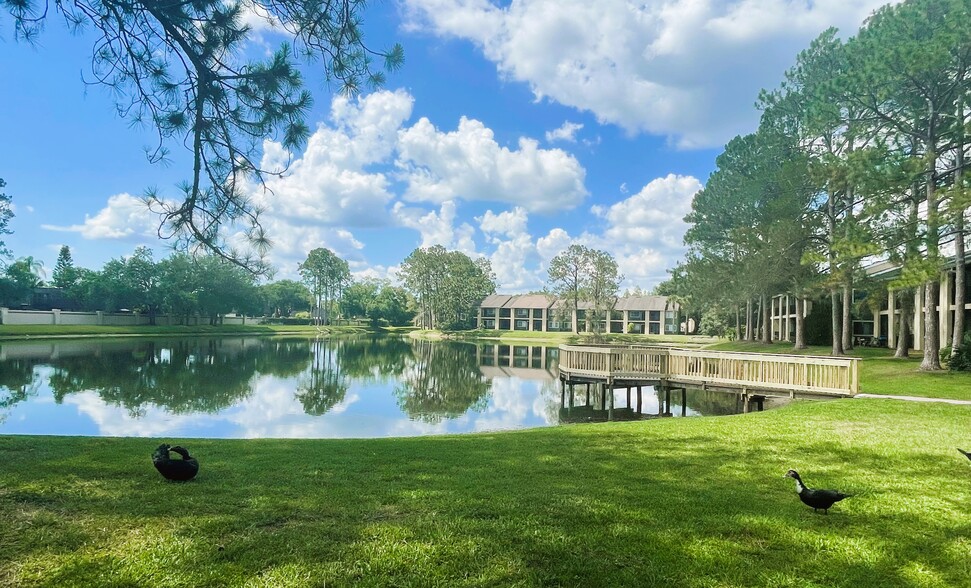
[{"x": 690, "y": 503}]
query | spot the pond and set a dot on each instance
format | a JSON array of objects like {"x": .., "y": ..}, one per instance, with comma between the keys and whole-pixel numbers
[{"x": 262, "y": 387}]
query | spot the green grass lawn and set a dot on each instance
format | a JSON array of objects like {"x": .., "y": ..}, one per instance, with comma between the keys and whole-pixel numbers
[
  {"x": 675, "y": 502},
  {"x": 880, "y": 372}
]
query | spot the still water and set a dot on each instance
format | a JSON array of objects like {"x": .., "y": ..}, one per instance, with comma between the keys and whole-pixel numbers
[{"x": 259, "y": 387}]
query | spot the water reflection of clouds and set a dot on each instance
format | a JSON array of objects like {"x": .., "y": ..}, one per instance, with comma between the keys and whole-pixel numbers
[
  {"x": 372, "y": 404},
  {"x": 116, "y": 421}
]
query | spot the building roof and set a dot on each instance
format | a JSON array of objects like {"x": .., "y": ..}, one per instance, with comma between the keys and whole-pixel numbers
[
  {"x": 546, "y": 301},
  {"x": 530, "y": 301},
  {"x": 495, "y": 300},
  {"x": 642, "y": 303}
]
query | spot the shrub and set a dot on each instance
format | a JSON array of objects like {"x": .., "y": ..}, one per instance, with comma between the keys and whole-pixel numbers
[{"x": 960, "y": 360}]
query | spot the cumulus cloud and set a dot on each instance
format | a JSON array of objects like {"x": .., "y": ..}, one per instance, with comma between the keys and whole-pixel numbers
[
  {"x": 361, "y": 163},
  {"x": 468, "y": 163},
  {"x": 437, "y": 228},
  {"x": 567, "y": 132},
  {"x": 688, "y": 69},
  {"x": 645, "y": 232},
  {"x": 123, "y": 217}
]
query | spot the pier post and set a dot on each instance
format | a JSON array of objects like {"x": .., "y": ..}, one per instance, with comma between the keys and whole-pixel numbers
[
  {"x": 588, "y": 393},
  {"x": 571, "y": 394},
  {"x": 610, "y": 411},
  {"x": 639, "y": 399},
  {"x": 684, "y": 402}
]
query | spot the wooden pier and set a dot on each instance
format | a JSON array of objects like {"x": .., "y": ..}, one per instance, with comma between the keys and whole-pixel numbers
[{"x": 751, "y": 374}]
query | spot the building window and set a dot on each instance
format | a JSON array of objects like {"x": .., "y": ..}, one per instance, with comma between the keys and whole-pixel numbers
[
  {"x": 635, "y": 315},
  {"x": 655, "y": 315},
  {"x": 538, "y": 313},
  {"x": 522, "y": 313},
  {"x": 489, "y": 312},
  {"x": 489, "y": 324},
  {"x": 616, "y": 315},
  {"x": 654, "y": 328},
  {"x": 522, "y": 325}
]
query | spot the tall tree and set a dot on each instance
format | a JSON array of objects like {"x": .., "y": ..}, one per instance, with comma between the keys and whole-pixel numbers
[
  {"x": 903, "y": 57},
  {"x": 602, "y": 285},
  {"x": 5, "y": 215},
  {"x": 326, "y": 275},
  {"x": 580, "y": 274},
  {"x": 65, "y": 274},
  {"x": 447, "y": 285},
  {"x": 184, "y": 69},
  {"x": 567, "y": 276}
]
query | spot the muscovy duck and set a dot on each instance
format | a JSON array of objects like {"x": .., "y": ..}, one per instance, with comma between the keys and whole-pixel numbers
[
  {"x": 967, "y": 454},
  {"x": 817, "y": 499},
  {"x": 179, "y": 470}
]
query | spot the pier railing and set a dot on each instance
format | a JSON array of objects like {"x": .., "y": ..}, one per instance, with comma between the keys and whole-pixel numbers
[{"x": 836, "y": 376}]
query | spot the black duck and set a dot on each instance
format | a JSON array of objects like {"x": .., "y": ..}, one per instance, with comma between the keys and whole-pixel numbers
[
  {"x": 967, "y": 454},
  {"x": 179, "y": 470},
  {"x": 816, "y": 498}
]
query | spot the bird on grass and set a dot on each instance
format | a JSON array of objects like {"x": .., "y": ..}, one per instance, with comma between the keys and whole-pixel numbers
[
  {"x": 179, "y": 470},
  {"x": 816, "y": 498},
  {"x": 967, "y": 454}
]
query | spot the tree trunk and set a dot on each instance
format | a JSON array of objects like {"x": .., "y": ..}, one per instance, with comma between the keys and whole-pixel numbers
[
  {"x": 738, "y": 323},
  {"x": 800, "y": 324},
  {"x": 932, "y": 333},
  {"x": 766, "y": 320},
  {"x": 847, "y": 326},
  {"x": 837, "y": 331},
  {"x": 903, "y": 328},
  {"x": 932, "y": 290},
  {"x": 749, "y": 331},
  {"x": 957, "y": 334}
]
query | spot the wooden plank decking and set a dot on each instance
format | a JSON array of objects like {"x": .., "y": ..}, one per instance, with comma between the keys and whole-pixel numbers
[{"x": 825, "y": 376}]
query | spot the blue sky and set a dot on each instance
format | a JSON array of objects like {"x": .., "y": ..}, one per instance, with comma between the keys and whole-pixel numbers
[{"x": 513, "y": 130}]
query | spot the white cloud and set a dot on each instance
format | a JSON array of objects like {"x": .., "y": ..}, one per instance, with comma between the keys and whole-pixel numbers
[
  {"x": 347, "y": 177},
  {"x": 645, "y": 231},
  {"x": 469, "y": 164},
  {"x": 689, "y": 69},
  {"x": 437, "y": 228},
  {"x": 330, "y": 183},
  {"x": 567, "y": 132},
  {"x": 123, "y": 217}
]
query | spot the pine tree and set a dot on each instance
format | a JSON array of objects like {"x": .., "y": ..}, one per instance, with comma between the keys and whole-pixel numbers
[{"x": 65, "y": 274}]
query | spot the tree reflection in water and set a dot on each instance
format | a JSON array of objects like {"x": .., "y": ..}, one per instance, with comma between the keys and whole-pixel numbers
[
  {"x": 17, "y": 384},
  {"x": 324, "y": 385},
  {"x": 181, "y": 375},
  {"x": 442, "y": 381}
]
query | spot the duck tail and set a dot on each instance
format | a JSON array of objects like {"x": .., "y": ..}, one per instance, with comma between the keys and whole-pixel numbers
[{"x": 966, "y": 454}]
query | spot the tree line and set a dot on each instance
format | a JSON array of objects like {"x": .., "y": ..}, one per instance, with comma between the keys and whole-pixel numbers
[
  {"x": 441, "y": 289},
  {"x": 860, "y": 155}
]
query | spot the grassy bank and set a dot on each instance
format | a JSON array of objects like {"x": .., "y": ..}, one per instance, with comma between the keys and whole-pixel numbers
[
  {"x": 52, "y": 331},
  {"x": 686, "y": 502},
  {"x": 880, "y": 372}
]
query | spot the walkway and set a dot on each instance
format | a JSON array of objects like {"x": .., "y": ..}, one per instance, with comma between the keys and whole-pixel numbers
[
  {"x": 796, "y": 375},
  {"x": 915, "y": 398}
]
